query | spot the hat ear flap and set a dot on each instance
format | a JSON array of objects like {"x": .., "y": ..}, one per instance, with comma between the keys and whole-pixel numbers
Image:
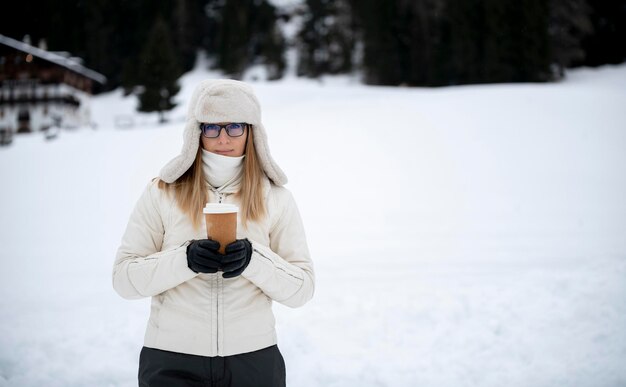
[
  {"x": 181, "y": 163},
  {"x": 272, "y": 170}
]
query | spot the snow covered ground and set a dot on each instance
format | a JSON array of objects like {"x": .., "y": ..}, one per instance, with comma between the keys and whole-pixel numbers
[{"x": 462, "y": 236}]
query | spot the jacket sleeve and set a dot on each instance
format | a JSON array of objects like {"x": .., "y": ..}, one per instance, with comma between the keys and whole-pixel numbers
[
  {"x": 284, "y": 270},
  {"x": 141, "y": 269}
]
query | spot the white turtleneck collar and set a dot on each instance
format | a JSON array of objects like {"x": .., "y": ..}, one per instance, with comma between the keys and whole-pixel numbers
[{"x": 221, "y": 171}]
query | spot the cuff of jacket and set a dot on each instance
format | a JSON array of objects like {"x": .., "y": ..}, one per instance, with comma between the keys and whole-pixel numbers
[
  {"x": 159, "y": 272},
  {"x": 276, "y": 277}
]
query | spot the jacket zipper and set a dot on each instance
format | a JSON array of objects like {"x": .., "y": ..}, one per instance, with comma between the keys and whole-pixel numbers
[{"x": 218, "y": 290}]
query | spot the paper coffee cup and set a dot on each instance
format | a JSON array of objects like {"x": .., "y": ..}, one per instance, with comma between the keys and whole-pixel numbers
[{"x": 221, "y": 223}]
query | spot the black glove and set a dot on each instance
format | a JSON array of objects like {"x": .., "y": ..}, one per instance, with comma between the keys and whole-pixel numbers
[
  {"x": 203, "y": 257},
  {"x": 237, "y": 258}
]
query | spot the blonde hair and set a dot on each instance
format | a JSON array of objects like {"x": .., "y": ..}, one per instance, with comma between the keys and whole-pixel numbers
[{"x": 191, "y": 193}]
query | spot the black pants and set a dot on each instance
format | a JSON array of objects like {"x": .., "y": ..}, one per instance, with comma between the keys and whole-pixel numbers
[{"x": 262, "y": 368}]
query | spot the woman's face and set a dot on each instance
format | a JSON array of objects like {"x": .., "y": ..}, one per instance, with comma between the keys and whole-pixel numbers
[{"x": 224, "y": 144}]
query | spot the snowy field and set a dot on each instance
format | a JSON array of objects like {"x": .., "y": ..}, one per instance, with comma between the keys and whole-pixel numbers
[{"x": 462, "y": 236}]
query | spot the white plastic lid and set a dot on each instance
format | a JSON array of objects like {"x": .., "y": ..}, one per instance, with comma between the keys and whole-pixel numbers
[{"x": 220, "y": 208}]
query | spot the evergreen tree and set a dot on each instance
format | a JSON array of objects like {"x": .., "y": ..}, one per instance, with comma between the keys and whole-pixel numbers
[
  {"x": 209, "y": 25},
  {"x": 403, "y": 41},
  {"x": 422, "y": 37},
  {"x": 327, "y": 38},
  {"x": 569, "y": 24},
  {"x": 247, "y": 34},
  {"x": 187, "y": 17},
  {"x": 105, "y": 50},
  {"x": 532, "y": 41},
  {"x": 382, "y": 49},
  {"x": 158, "y": 71},
  {"x": 233, "y": 36},
  {"x": 267, "y": 42},
  {"x": 497, "y": 41},
  {"x": 606, "y": 43},
  {"x": 463, "y": 34}
]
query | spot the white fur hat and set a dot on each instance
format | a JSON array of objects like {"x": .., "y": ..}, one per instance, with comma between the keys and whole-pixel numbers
[{"x": 222, "y": 100}]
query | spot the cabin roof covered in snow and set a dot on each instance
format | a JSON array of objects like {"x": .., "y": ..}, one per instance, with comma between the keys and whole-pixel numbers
[{"x": 54, "y": 58}]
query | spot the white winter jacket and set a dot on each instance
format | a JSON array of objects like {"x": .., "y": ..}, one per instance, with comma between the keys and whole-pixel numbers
[{"x": 205, "y": 314}]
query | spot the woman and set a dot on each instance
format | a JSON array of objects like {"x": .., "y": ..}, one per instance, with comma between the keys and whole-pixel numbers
[{"x": 211, "y": 320}]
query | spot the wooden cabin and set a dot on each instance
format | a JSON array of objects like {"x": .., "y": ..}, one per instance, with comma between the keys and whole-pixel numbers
[{"x": 40, "y": 89}]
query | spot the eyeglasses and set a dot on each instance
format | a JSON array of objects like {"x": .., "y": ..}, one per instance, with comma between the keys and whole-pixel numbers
[{"x": 214, "y": 130}]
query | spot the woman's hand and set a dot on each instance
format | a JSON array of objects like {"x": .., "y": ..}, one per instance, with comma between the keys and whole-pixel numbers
[
  {"x": 237, "y": 258},
  {"x": 203, "y": 257}
]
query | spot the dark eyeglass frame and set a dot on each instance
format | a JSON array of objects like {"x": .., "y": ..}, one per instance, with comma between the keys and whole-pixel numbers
[{"x": 229, "y": 129}]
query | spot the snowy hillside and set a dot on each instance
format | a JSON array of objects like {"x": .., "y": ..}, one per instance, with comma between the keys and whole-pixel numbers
[{"x": 464, "y": 236}]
